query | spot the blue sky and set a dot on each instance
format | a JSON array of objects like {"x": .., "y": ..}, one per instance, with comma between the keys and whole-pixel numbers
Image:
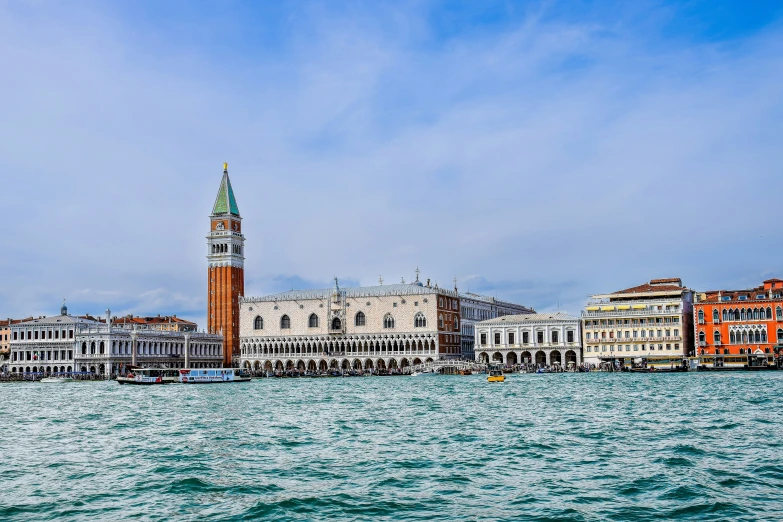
[{"x": 536, "y": 151}]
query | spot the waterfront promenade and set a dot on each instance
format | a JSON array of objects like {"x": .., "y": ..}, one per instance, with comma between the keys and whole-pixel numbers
[{"x": 696, "y": 446}]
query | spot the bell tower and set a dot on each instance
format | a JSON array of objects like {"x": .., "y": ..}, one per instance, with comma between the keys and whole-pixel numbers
[{"x": 226, "y": 279}]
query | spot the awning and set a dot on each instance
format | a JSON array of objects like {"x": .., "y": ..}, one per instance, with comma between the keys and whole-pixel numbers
[
  {"x": 639, "y": 307},
  {"x": 591, "y": 308},
  {"x": 607, "y": 308},
  {"x": 623, "y": 307}
]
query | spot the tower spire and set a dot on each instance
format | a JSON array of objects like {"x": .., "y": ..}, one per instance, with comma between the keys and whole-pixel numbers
[{"x": 225, "y": 202}]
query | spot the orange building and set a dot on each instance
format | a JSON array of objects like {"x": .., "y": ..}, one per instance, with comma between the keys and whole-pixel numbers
[
  {"x": 740, "y": 328},
  {"x": 226, "y": 273}
]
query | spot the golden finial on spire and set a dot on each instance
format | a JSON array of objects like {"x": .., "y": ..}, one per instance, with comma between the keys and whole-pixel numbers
[{"x": 225, "y": 166}]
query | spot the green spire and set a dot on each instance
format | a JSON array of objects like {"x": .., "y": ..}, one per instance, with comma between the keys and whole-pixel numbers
[{"x": 225, "y": 202}]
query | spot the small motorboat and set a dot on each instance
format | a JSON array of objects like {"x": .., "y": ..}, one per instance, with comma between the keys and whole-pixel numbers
[
  {"x": 496, "y": 376},
  {"x": 57, "y": 380}
]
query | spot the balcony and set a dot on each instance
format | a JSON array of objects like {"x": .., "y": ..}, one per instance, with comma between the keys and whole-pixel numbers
[{"x": 702, "y": 343}]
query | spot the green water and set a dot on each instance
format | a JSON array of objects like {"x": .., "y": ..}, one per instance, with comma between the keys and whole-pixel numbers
[{"x": 537, "y": 447}]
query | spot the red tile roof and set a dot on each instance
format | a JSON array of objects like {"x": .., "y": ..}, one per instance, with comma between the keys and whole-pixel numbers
[
  {"x": 668, "y": 280},
  {"x": 647, "y": 287}
]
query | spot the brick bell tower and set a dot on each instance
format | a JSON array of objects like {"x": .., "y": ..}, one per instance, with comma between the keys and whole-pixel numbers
[{"x": 226, "y": 255}]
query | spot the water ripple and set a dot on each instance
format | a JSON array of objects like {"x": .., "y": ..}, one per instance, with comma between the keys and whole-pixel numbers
[{"x": 573, "y": 447}]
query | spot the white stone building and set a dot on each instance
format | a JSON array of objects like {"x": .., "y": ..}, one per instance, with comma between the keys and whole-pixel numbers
[
  {"x": 652, "y": 320},
  {"x": 365, "y": 328},
  {"x": 475, "y": 308},
  {"x": 540, "y": 339},
  {"x": 65, "y": 343}
]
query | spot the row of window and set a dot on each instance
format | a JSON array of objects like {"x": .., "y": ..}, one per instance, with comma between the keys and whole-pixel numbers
[
  {"x": 751, "y": 336},
  {"x": 742, "y": 314},
  {"x": 554, "y": 337},
  {"x": 611, "y": 322},
  {"x": 636, "y": 348},
  {"x": 419, "y": 321},
  {"x": 44, "y": 334},
  {"x": 636, "y": 334}
]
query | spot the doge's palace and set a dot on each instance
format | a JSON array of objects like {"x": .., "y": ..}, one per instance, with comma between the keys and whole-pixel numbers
[{"x": 364, "y": 328}]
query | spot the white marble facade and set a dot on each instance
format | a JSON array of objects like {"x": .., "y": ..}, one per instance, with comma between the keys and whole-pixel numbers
[
  {"x": 364, "y": 328},
  {"x": 541, "y": 339}
]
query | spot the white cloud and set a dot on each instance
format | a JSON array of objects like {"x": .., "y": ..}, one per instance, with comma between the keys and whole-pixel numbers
[{"x": 550, "y": 160}]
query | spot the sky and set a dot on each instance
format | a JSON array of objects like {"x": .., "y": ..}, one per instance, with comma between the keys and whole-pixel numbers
[{"x": 539, "y": 152}]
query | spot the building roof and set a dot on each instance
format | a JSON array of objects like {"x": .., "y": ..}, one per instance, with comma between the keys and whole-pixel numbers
[
  {"x": 529, "y": 318},
  {"x": 58, "y": 319},
  {"x": 470, "y": 296},
  {"x": 225, "y": 203},
  {"x": 167, "y": 319},
  {"x": 647, "y": 287},
  {"x": 667, "y": 280},
  {"x": 360, "y": 291}
]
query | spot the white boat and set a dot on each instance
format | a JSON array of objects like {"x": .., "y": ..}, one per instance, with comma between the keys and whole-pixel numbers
[
  {"x": 425, "y": 373},
  {"x": 211, "y": 375},
  {"x": 149, "y": 376},
  {"x": 56, "y": 380}
]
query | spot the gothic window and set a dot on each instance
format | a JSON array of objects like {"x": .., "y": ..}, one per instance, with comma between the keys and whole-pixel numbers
[
  {"x": 360, "y": 319},
  {"x": 258, "y": 323},
  {"x": 313, "y": 321},
  {"x": 716, "y": 337},
  {"x": 779, "y": 312},
  {"x": 763, "y": 336},
  {"x": 702, "y": 337},
  {"x": 336, "y": 323},
  {"x": 701, "y": 316},
  {"x": 744, "y": 337},
  {"x": 769, "y": 313},
  {"x": 732, "y": 338},
  {"x": 755, "y": 313},
  {"x": 419, "y": 321},
  {"x": 736, "y": 315},
  {"x": 456, "y": 325},
  {"x": 742, "y": 314},
  {"x": 715, "y": 316},
  {"x": 285, "y": 322},
  {"x": 757, "y": 336},
  {"x": 440, "y": 322},
  {"x": 725, "y": 315},
  {"x": 388, "y": 321}
]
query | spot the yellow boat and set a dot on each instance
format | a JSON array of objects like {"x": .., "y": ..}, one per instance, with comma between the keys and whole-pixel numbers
[{"x": 496, "y": 376}]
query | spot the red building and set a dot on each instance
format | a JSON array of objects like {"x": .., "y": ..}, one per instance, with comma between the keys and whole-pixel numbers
[{"x": 746, "y": 325}]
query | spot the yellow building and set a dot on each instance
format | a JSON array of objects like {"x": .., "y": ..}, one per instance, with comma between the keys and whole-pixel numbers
[{"x": 167, "y": 323}]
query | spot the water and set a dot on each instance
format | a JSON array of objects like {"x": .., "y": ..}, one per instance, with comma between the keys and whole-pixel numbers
[{"x": 537, "y": 447}]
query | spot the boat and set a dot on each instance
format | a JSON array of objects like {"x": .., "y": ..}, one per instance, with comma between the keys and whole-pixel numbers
[
  {"x": 465, "y": 372},
  {"x": 212, "y": 375},
  {"x": 57, "y": 380},
  {"x": 424, "y": 373},
  {"x": 496, "y": 376},
  {"x": 147, "y": 376}
]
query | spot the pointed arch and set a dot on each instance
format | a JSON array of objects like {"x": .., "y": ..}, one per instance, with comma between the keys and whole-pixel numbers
[
  {"x": 388, "y": 321},
  {"x": 285, "y": 322},
  {"x": 312, "y": 321},
  {"x": 419, "y": 320},
  {"x": 360, "y": 319},
  {"x": 258, "y": 323}
]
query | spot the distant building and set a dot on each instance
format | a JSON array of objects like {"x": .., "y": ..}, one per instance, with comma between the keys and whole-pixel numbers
[
  {"x": 653, "y": 319},
  {"x": 740, "y": 322},
  {"x": 168, "y": 323},
  {"x": 65, "y": 343},
  {"x": 541, "y": 339},
  {"x": 475, "y": 308},
  {"x": 364, "y": 328}
]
